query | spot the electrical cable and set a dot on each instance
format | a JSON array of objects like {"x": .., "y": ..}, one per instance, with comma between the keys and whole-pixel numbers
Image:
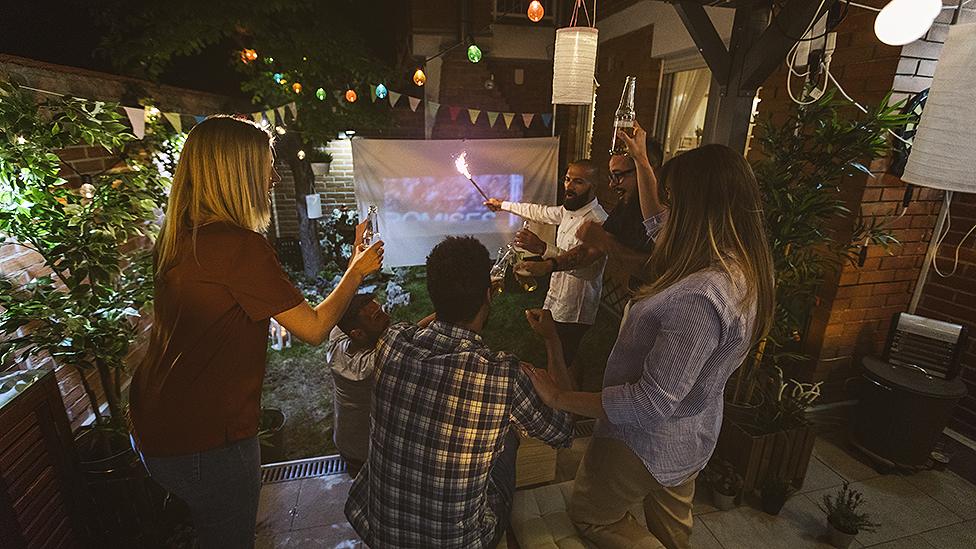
[{"x": 828, "y": 29}]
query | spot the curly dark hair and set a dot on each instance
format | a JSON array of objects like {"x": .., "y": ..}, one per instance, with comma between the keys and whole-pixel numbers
[{"x": 458, "y": 277}]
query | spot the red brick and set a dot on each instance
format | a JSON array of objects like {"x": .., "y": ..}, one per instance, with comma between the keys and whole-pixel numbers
[
  {"x": 875, "y": 277},
  {"x": 869, "y": 302},
  {"x": 891, "y": 288}
]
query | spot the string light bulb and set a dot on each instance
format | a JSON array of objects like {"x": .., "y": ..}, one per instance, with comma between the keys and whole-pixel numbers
[
  {"x": 419, "y": 78},
  {"x": 301, "y": 154},
  {"x": 381, "y": 91},
  {"x": 297, "y": 87},
  {"x": 535, "y": 11},
  {"x": 279, "y": 78},
  {"x": 351, "y": 95},
  {"x": 474, "y": 53},
  {"x": 248, "y": 55},
  {"x": 87, "y": 190},
  {"x": 320, "y": 94}
]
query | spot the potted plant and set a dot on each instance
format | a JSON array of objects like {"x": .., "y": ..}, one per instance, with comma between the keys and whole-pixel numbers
[
  {"x": 92, "y": 240},
  {"x": 775, "y": 492},
  {"x": 320, "y": 159},
  {"x": 802, "y": 170},
  {"x": 844, "y": 521},
  {"x": 726, "y": 483}
]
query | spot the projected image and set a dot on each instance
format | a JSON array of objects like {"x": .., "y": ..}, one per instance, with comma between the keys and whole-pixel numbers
[{"x": 440, "y": 205}]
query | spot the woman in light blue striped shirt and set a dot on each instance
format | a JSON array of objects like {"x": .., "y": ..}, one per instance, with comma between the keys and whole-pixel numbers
[{"x": 709, "y": 300}]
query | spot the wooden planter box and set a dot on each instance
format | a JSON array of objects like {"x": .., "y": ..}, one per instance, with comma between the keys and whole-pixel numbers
[
  {"x": 785, "y": 454},
  {"x": 39, "y": 481}
]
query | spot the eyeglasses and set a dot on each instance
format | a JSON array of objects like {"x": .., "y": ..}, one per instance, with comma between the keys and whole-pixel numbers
[{"x": 617, "y": 177}]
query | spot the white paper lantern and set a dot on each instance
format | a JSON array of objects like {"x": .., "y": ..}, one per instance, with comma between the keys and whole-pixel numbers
[
  {"x": 904, "y": 21},
  {"x": 313, "y": 203},
  {"x": 574, "y": 64},
  {"x": 944, "y": 147}
]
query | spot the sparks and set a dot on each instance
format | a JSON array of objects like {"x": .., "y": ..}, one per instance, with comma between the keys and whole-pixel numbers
[{"x": 461, "y": 163}]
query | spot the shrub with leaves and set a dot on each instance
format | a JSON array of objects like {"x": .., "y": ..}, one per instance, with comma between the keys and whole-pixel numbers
[
  {"x": 842, "y": 511},
  {"x": 84, "y": 313},
  {"x": 807, "y": 163}
]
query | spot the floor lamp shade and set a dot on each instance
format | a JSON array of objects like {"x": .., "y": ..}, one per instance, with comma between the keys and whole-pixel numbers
[
  {"x": 574, "y": 64},
  {"x": 944, "y": 149}
]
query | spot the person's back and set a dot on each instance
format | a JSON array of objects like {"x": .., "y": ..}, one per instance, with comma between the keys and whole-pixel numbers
[{"x": 441, "y": 428}]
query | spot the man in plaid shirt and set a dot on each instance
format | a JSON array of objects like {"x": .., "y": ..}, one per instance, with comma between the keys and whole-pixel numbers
[{"x": 441, "y": 466}]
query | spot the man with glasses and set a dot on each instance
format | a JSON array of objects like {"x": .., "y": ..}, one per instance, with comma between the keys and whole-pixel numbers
[{"x": 574, "y": 293}]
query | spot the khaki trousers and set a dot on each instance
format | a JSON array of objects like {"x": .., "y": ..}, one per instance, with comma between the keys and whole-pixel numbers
[{"x": 611, "y": 480}]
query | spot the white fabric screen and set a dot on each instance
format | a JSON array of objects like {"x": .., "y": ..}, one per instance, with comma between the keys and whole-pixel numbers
[{"x": 421, "y": 198}]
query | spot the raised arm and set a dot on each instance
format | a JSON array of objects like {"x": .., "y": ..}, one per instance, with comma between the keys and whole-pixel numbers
[
  {"x": 647, "y": 184},
  {"x": 313, "y": 324},
  {"x": 549, "y": 215}
]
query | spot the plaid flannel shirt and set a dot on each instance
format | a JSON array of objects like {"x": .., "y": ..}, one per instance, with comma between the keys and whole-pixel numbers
[{"x": 442, "y": 406}]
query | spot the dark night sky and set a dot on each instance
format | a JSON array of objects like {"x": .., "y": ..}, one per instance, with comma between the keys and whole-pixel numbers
[{"x": 64, "y": 32}]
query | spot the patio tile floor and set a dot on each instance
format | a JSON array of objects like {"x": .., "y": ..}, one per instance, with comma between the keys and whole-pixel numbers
[{"x": 931, "y": 509}]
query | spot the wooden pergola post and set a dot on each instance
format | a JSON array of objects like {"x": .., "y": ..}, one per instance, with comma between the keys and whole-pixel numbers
[{"x": 760, "y": 42}]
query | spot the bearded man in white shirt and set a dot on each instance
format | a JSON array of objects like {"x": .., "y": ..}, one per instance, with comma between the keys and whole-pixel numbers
[{"x": 574, "y": 296}]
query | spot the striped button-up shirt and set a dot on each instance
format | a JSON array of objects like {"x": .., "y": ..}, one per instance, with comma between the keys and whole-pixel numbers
[
  {"x": 574, "y": 296},
  {"x": 665, "y": 378},
  {"x": 441, "y": 409}
]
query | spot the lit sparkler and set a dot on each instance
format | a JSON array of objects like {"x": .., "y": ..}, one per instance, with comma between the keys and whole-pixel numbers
[{"x": 461, "y": 163}]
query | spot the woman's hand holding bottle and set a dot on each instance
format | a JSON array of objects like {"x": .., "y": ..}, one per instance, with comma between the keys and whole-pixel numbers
[{"x": 366, "y": 260}]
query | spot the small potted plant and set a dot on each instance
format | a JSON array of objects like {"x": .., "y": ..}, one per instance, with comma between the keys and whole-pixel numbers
[
  {"x": 726, "y": 484},
  {"x": 775, "y": 492},
  {"x": 844, "y": 522},
  {"x": 321, "y": 161}
]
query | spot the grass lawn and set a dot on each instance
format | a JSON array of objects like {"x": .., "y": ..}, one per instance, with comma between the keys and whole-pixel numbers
[{"x": 299, "y": 383}]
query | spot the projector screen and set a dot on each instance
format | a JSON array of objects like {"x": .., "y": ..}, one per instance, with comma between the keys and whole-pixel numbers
[{"x": 421, "y": 198}]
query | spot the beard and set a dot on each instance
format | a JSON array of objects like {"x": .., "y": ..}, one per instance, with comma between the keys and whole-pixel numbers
[{"x": 574, "y": 201}]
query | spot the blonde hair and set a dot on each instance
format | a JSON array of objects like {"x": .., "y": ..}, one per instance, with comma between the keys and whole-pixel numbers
[
  {"x": 715, "y": 222},
  {"x": 223, "y": 175}
]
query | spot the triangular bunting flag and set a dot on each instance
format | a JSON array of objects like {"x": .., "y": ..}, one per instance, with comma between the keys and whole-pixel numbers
[
  {"x": 200, "y": 118},
  {"x": 137, "y": 117},
  {"x": 432, "y": 107},
  {"x": 414, "y": 102},
  {"x": 281, "y": 112},
  {"x": 455, "y": 111},
  {"x": 527, "y": 118},
  {"x": 508, "y": 116},
  {"x": 546, "y": 118},
  {"x": 293, "y": 107},
  {"x": 372, "y": 92},
  {"x": 473, "y": 115},
  {"x": 492, "y": 118},
  {"x": 394, "y": 98},
  {"x": 256, "y": 116},
  {"x": 269, "y": 115},
  {"x": 430, "y": 117},
  {"x": 174, "y": 119}
]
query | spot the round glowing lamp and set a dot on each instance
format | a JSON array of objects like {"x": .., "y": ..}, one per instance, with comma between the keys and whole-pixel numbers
[
  {"x": 381, "y": 91},
  {"x": 905, "y": 21},
  {"x": 320, "y": 94},
  {"x": 297, "y": 87},
  {"x": 474, "y": 53},
  {"x": 535, "y": 11},
  {"x": 419, "y": 78},
  {"x": 351, "y": 95}
]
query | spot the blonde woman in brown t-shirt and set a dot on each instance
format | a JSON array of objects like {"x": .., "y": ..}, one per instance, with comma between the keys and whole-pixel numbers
[{"x": 195, "y": 398}]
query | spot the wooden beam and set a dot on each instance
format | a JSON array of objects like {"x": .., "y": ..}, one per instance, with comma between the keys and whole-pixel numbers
[
  {"x": 709, "y": 43},
  {"x": 779, "y": 38}
]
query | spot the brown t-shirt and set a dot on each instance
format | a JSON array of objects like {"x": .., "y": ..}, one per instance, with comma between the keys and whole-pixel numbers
[{"x": 199, "y": 386}]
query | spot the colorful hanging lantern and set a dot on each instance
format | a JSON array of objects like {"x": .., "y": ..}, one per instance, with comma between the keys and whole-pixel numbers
[
  {"x": 574, "y": 64},
  {"x": 269, "y": 60},
  {"x": 419, "y": 78},
  {"x": 381, "y": 91},
  {"x": 279, "y": 78},
  {"x": 474, "y": 53},
  {"x": 320, "y": 94},
  {"x": 297, "y": 87},
  {"x": 351, "y": 95},
  {"x": 535, "y": 11},
  {"x": 248, "y": 55}
]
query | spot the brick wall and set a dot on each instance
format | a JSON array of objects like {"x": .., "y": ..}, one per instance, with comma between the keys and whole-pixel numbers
[
  {"x": 856, "y": 304},
  {"x": 22, "y": 264}
]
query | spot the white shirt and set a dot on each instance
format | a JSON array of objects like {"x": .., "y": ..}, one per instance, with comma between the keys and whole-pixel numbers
[{"x": 574, "y": 296}]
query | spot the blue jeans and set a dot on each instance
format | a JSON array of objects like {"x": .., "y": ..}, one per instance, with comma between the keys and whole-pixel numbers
[
  {"x": 503, "y": 477},
  {"x": 220, "y": 486}
]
